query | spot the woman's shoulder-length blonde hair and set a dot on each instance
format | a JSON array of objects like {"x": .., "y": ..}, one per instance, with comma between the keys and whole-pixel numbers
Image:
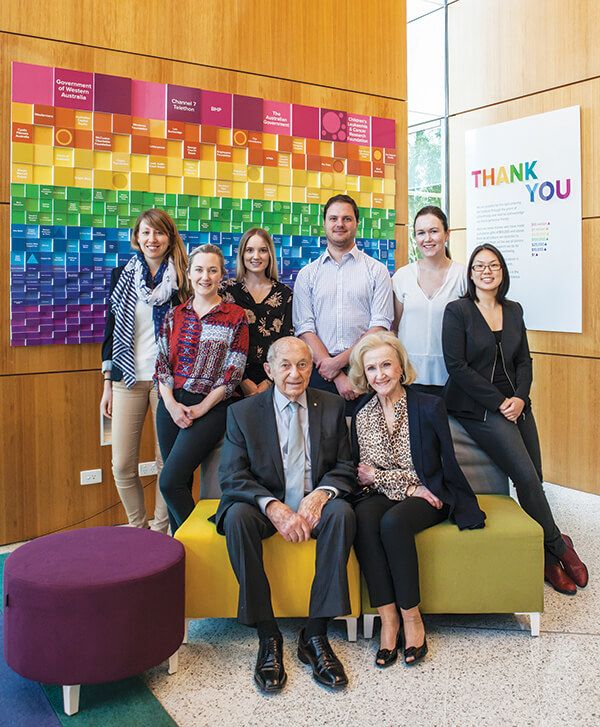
[
  {"x": 240, "y": 266},
  {"x": 356, "y": 374}
]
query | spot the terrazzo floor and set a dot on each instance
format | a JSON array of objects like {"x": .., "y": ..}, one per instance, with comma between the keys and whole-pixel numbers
[{"x": 480, "y": 670}]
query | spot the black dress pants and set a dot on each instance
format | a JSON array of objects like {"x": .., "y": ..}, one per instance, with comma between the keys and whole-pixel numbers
[
  {"x": 385, "y": 546},
  {"x": 245, "y": 529}
]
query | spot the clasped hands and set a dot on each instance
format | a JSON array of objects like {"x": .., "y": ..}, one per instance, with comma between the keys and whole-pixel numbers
[
  {"x": 296, "y": 527},
  {"x": 366, "y": 476},
  {"x": 184, "y": 415},
  {"x": 330, "y": 369},
  {"x": 512, "y": 408}
]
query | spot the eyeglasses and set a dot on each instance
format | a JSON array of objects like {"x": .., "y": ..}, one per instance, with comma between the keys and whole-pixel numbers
[{"x": 480, "y": 267}]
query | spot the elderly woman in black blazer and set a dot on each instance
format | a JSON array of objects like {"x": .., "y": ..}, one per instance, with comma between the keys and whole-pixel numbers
[
  {"x": 488, "y": 361},
  {"x": 406, "y": 464}
]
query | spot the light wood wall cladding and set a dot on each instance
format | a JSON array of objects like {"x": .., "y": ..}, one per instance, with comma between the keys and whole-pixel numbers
[
  {"x": 585, "y": 94},
  {"x": 356, "y": 44},
  {"x": 504, "y": 49},
  {"x": 350, "y": 56}
]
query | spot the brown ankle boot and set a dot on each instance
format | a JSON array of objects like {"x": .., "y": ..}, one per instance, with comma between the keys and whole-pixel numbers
[
  {"x": 559, "y": 580},
  {"x": 573, "y": 565}
]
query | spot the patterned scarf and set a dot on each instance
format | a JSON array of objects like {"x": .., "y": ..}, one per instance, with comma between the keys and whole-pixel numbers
[{"x": 136, "y": 283}]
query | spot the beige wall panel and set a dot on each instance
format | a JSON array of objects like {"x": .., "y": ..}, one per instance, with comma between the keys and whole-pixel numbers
[
  {"x": 586, "y": 95},
  {"x": 358, "y": 45},
  {"x": 50, "y": 432},
  {"x": 401, "y": 256},
  {"x": 565, "y": 396},
  {"x": 586, "y": 343},
  {"x": 503, "y": 49}
]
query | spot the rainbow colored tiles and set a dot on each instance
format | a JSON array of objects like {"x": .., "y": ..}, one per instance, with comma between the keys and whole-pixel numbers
[{"x": 91, "y": 151}]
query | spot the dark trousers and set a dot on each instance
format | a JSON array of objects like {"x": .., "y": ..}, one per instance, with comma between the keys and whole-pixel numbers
[
  {"x": 515, "y": 448},
  {"x": 245, "y": 529},
  {"x": 385, "y": 546},
  {"x": 183, "y": 450},
  {"x": 318, "y": 382}
]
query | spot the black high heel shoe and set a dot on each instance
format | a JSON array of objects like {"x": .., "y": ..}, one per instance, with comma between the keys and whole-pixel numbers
[
  {"x": 417, "y": 652},
  {"x": 388, "y": 656}
]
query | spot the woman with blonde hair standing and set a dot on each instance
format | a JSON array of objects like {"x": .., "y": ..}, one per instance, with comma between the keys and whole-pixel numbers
[{"x": 140, "y": 294}]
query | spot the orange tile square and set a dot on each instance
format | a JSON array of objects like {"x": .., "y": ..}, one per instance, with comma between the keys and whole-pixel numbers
[
  {"x": 208, "y": 152},
  {"x": 270, "y": 158},
  {"x": 285, "y": 143},
  {"x": 269, "y": 141},
  {"x": 140, "y": 126},
  {"x": 191, "y": 185},
  {"x": 157, "y": 146},
  {"x": 240, "y": 138},
  {"x": 313, "y": 147},
  {"x": 298, "y": 161},
  {"x": 191, "y": 150},
  {"x": 255, "y": 139},
  {"x": 224, "y": 188},
  {"x": 175, "y": 148},
  {"x": 157, "y": 164},
  {"x": 64, "y": 117},
  {"x": 208, "y": 134},
  {"x": 121, "y": 143},
  {"x": 366, "y": 169},
  {"x": 224, "y": 153},
  {"x": 353, "y": 151},
  {"x": 84, "y": 120},
  {"x": 102, "y": 122},
  {"x": 340, "y": 149},
  {"x": 239, "y": 155},
  {"x": 299, "y": 145},
  {"x": 64, "y": 137},
  {"x": 157, "y": 183},
  {"x": 313, "y": 163},
  {"x": 284, "y": 160},
  {"x": 139, "y": 181},
  {"x": 63, "y": 176},
  {"x": 158, "y": 128},
  {"x": 224, "y": 136},
  {"x": 102, "y": 141},
  {"x": 22, "y": 113},
  {"x": 140, "y": 144},
  {"x": 389, "y": 156},
  {"x": 84, "y": 139},
  {"x": 22, "y": 133},
  {"x": 121, "y": 124},
  {"x": 191, "y": 132},
  {"x": 326, "y": 164},
  {"x": 82, "y": 177},
  {"x": 44, "y": 115},
  {"x": 43, "y": 135},
  {"x": 121, "y": 162},
  {"x": 378, "y": 169},
  {"x": 364, "y": 153},
  {"x": 175, "y": 130},
  {"x": 255, "y": 157}
]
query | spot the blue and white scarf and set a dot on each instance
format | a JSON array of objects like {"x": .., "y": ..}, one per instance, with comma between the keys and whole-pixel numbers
[{"x": 136, "y": 283}]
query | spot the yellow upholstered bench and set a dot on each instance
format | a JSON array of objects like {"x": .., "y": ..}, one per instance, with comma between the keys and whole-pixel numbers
[
  {"x": 498, "y": 569},
  {"x": 211, "y": 588}
]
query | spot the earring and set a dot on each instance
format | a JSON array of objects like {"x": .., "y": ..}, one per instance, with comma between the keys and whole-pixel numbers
[{"x": 403, "y": 378}]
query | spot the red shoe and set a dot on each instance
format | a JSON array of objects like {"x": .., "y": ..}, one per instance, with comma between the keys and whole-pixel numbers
[
  {"x": 559, "y": 580},
  {"x": 572, "y": 564}
]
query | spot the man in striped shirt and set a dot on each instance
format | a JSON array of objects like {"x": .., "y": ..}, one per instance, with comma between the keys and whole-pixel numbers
[{"x": 339, "y": 298}]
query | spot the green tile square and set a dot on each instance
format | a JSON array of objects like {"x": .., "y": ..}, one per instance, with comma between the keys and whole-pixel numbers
[
  {"x": 98, "y": 208},
  {"x": 98, "y": 221},
  {"x": 194, "y": 213},
  {"x": 246, "y": 204},
  {"x": 32, "y": 204},
  {"x": 85, "y": 207},
  {"x": 46, "y": 218},
  {"x": 111, "y": 196},
  {"x": 236, "y": 204},
  {"x": 147, "y": 199},
  {"x": 32, "y": 190},
  {"x": 18, "y": 203},
  {"x": 86, "y": 220},
  {"x": 171, "y": 200},
  {"x": 181, "y": 213},
  {"x": 204, "y": 226},
  {"x": 193, "y": 225},
  {"x": 73, "y": 220},
  {"x": 159, "y": 200},
  {"x": 85, "y": 193},
  {"x": 257, "y": 219},
  {"x": 237, "y": 227},
  {"x": 60, "y": 218},
  {"x": 111, "y": 208},
  {"x": 289, "y": 229},
  {"x": 46, "y": 205},
  {"x": 46, "y": 191},
  {"x": 123, "y": 196},
  {"x": 237, "y": 215},
  {"x": 226, "y": 203},
  {"x": 72, "y": 206},
  {"x": 225, "y": 226},
  {"x": 316, "y": 231},
  {"x": 110, "y": 220},
  {"x": 375, "y": 234},
  {"x": 316, "y": 209},
  {"x": 246, "y": 216},
  {"x": 136, "y": 209},
  {"x": 60, "y": 193},
  {"x": 204, "y": 202},
  {"x": 137, "y": 197},
  {"x": 17, "y": 217},
  {"x": 123, "y": 222},
  {"x": 204, "y": 213},
  {"x": 215, "y": 214},
  {"x": 183, "y": 200},
  {"x": 305, "y": 229},
  {"x": 182, "y": 225},
  {"x": 60, "y": 205},
  {"x": 17, "y": 190},
  {"x": 286, "y": 219},
  {"x": 99, "y": 195},
  {"x": 193, "y": 201},
  {"x": 171, "y": 210}
]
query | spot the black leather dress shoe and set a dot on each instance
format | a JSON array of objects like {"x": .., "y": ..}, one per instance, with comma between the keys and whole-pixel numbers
[
  {"x": 327, "y": 668},
  {"x": 269, "y": 673}
]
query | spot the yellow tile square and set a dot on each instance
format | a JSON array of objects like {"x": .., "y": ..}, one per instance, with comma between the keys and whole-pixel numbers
[
  {"x": 255, "y": 190},
  {"x": 389, "y": 186},
  {"x": 255, "y": 174},
  {"x": 43, "y": 155},
  {"x": 102, "y": 160},
  {"x": 84, "y": 120},
  {"x": 225, "y": 170},
  {"x": 390, "y": 201},
  {"x": 366, "y": 184},
  {"x": 208, "y": 152},
  {"x": 285, "y": 177},
  {"x": 299, "y": 177},
  {"x": 157, "y": 183},
  {"x": 364, "y": 199},
  {"x": 139, "y": 163},
  {"x": 326, "y": 148},
  {"x": 240, "y": 172},
  {"x": 325, "y": 195},
  {"x": 239, "y": 190},
  {"x": 224, "y": 136},
  {"x": 158, "y": 129},
  {"x": 378, "y": 201},
  {"x": 157, "y": 165},
  {"x": 175, "y": 148},
  {"x": 327, "y": 180},
  {"x": 352, "y": 183},
  {"x": 174, "y": 185},
  {"x": 313, "y": 195},
  {"x": 42, "y": 175},
  {"x": 239, "y": 155},
  {"x": 284, "y": 194},
  {"x": 63, "y": 157},
  {"x": 270, "y": 191},
  {"x": 208, "y": 170},
  {"x": 43, "y": 135},
  {"x": 378, "y": 185},
  {"x": 22, "y": 113},
  {"x": 269, "y": 142},
  {"x": 121, "y": 143},
  {"x": 84, "y": 158},
  {"x": 121, "y": 162},
  {"x": 284, "y": 160},
  {"x": 192, "y": 185},
  {"x": 22, "y": 173},
  {"x": 191, "y": 168},
  {"x": 313, "y": 179},
  {"x": 22, "y": 153},
  {"x": 389, "y": 171},
  {"x": 139, "y": 181},
  {"x": 270, "y": 175},
  {"x": 82, "y": 177},
  {"x": 223, "y": 188},
  {"x": 63, "y": 176},
  {"x": 102, "y": 179},
  {"x": 298, "y": 194},
  {"x": 174, "y": 167},
  {"x": 207, "y": 187},
  {"x": 339, "y": 181}
]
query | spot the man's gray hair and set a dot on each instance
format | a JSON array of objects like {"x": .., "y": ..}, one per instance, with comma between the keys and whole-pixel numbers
[{"x": 276, "y": 345}]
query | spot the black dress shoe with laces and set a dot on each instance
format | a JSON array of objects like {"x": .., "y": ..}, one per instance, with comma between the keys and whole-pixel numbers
[
  {"x": 327, "y": 668},
  {"x": 269, "y": 673}
]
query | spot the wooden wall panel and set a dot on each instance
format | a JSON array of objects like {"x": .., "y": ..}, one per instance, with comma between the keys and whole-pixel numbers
[
  {"x": 504, "y": 49},
  {"x": 586, "y": 95},
  {"x": 354, "y": 45}
]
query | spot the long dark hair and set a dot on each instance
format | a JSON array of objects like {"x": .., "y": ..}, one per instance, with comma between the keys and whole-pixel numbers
[
  {"x": 436, "y": 212},
  {"x": 505, "y": 283}
]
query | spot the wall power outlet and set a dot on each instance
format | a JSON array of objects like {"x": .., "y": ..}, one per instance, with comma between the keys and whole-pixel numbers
[
  {"x": 90, "y": 477},
  {"x": 147, "y": 468}
]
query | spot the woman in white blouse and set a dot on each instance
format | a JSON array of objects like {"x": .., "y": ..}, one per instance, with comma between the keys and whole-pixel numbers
[{"x": 421, "y": 291}]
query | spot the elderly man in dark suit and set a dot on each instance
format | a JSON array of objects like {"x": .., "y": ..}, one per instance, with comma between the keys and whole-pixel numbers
[{"x": 285, "y": 462}]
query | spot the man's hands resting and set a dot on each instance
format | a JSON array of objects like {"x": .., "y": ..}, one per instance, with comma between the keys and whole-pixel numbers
[{"x": 296, "y": 527}]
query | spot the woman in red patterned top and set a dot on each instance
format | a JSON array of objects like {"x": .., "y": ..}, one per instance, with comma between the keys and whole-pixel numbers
[{"x": 202, "y": 352}]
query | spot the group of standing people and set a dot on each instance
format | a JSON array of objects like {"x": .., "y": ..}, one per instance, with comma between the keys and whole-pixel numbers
[{"x": 287, "y": 464}]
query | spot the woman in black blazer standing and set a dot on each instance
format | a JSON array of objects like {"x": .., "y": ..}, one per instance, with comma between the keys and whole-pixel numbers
[{"x": 487, "y": 356}]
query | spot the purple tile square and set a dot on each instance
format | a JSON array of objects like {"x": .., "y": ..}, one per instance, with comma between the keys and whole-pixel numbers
[
  {"x": 247, "y": 113},
  {"x": 112, "y": 94},
  {"x": 184, "y": 104},
  {"x": 305, "y": 121},
  {"x": 383, "y": 132}
]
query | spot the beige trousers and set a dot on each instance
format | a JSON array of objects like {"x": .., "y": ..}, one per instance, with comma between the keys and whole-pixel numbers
[{"x": 129, "y": 411}]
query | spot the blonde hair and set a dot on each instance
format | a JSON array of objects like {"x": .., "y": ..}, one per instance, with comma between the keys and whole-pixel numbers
[
  {"x": 208, "y": 249},
  {"x": 240, "y": 266},
  {"x": 163, "y": 222},
  {"x": 357, "y": 377}
]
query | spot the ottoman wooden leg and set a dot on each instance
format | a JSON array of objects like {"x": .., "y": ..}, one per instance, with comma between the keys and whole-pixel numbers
[
  {"x": 351, "y": 626},
  {"x": 71, "y": 698},
  {"x": 368, "y": 623},
  {"x": 186, "y": 631},
  {"x": 174, "y": 662}
]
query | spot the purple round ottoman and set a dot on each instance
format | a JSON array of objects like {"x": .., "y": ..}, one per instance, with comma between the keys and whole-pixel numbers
[{"x": 94, "y": 605}]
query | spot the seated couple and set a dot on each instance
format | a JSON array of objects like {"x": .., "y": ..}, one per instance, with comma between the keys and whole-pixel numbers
[{"x": 287, "y": 466}]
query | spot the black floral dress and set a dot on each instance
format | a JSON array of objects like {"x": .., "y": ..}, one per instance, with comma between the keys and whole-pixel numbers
[{"x": 268, "y": 320}]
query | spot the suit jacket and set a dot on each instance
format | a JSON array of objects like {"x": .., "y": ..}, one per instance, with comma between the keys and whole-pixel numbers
[
  {"x": 470, "y": 354},
  {"x": 433, "y": 456},
  {"x": 251, "y": 464}
]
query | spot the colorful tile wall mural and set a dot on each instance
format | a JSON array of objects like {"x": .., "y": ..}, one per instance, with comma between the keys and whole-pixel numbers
[{"x": 91, "y": 151}]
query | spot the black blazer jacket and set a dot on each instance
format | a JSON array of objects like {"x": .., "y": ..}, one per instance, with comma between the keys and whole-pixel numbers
[
  {"x": 470, "y": 354},
  {"x": 251, "y": 465},
  {"x": 433, "y": 456}
]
